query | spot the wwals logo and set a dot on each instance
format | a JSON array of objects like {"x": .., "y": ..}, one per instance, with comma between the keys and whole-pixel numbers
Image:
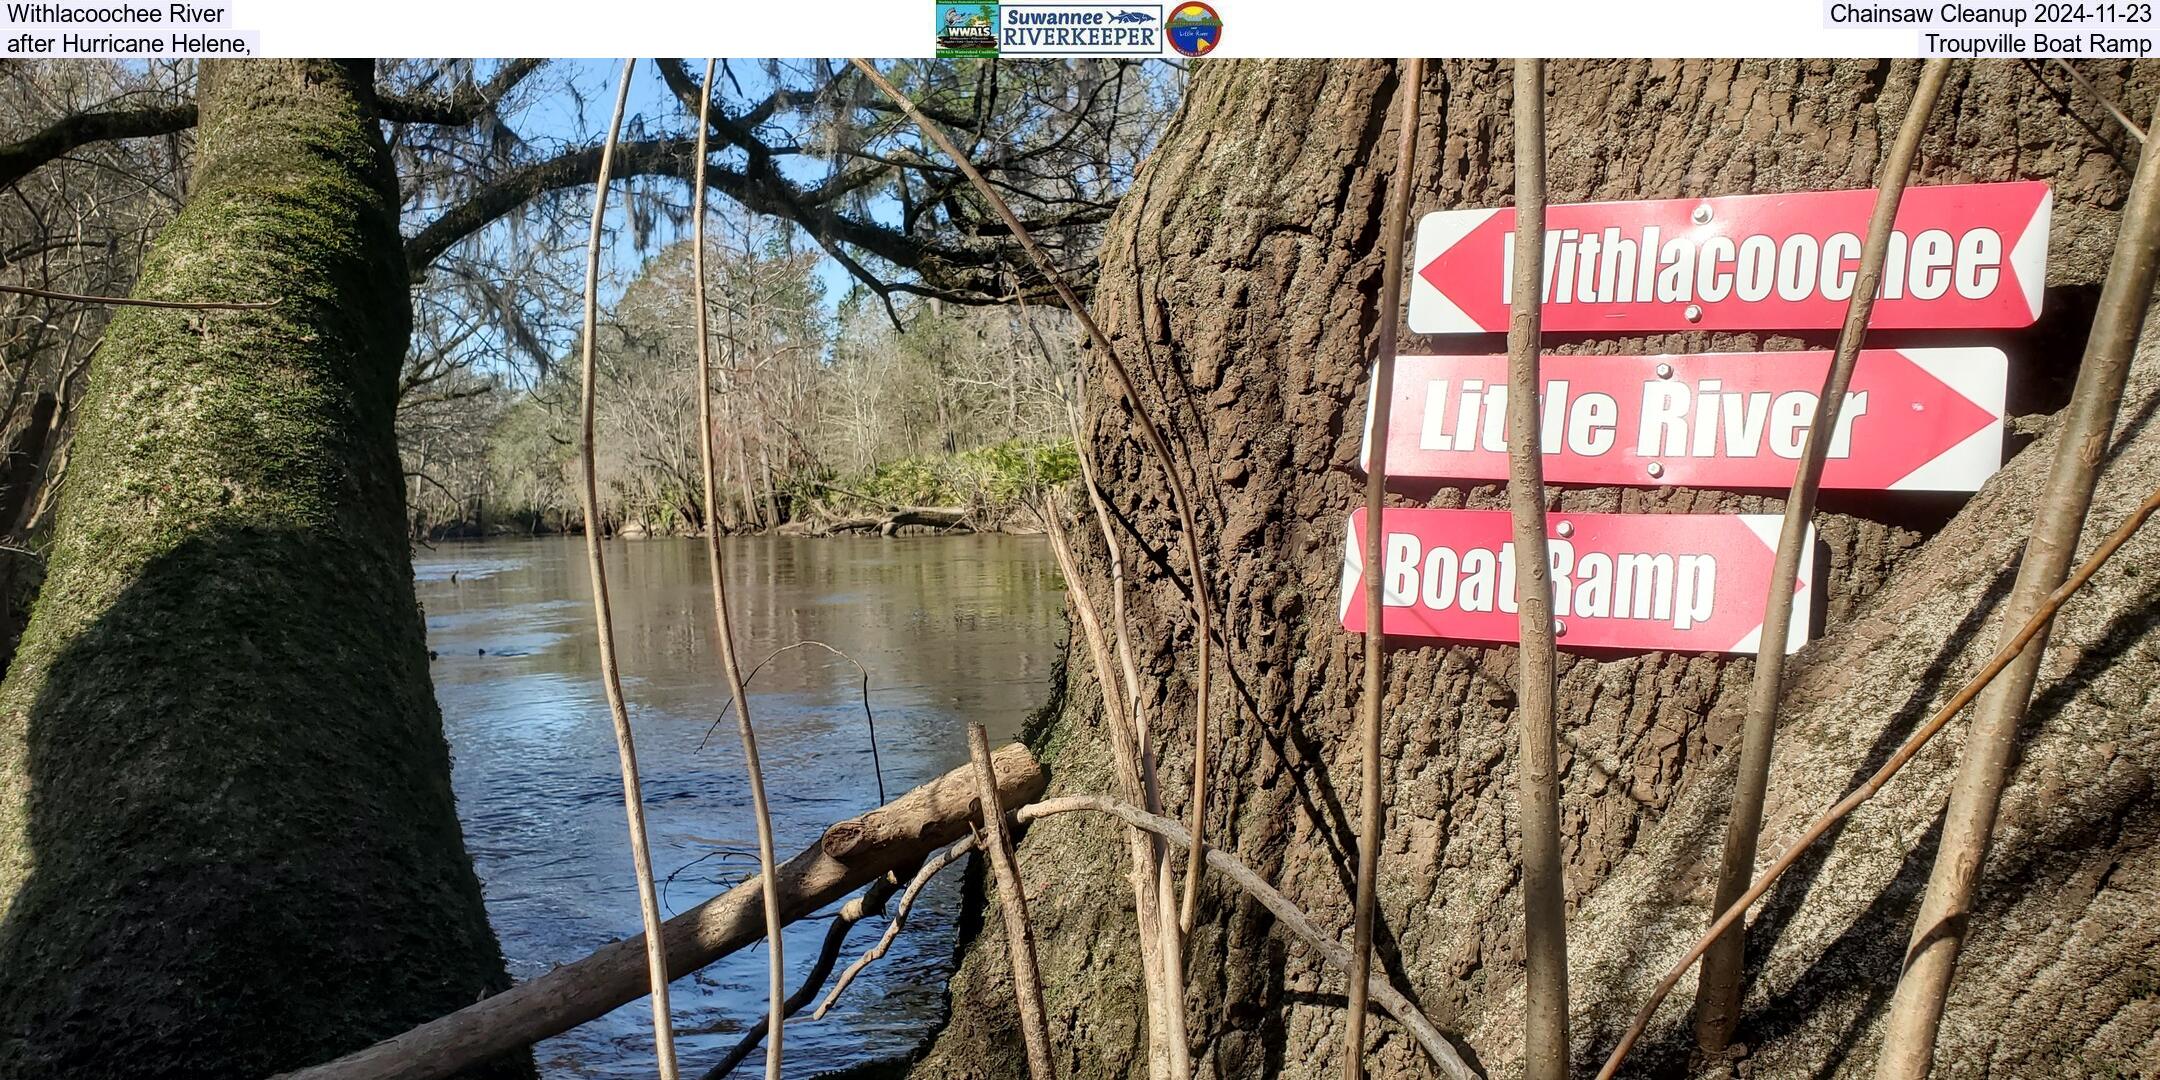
[{"x": 967, "y": 30}]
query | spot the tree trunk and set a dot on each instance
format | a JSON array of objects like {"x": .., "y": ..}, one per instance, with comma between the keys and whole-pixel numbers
[
  {"x": 227, "y": 840},
  {"x": 1241, "y": 281}
]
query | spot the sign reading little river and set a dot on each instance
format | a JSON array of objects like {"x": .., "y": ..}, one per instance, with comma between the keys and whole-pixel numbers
[
  {"x": 1963, "y": 255},
  {"x": 1912, "y": 419},
  {"x": 1620, "y": 581}
]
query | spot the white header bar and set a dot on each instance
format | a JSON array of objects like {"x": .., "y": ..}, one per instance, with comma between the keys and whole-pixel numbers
[{"x": 910, "y": 28}]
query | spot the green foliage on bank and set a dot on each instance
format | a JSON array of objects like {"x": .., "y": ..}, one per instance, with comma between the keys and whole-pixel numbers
[{"x": 994, "y": 481}]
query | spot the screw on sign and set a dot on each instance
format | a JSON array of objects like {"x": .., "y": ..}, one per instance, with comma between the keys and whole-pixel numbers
[
  {"x": 1964, "y": 255},
  {"x": 1912, "y": 419},
  {"x": 1683, "y": 582}
]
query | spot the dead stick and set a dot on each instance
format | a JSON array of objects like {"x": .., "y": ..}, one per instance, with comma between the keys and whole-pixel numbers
[
  {"x": 877, "y": 765},
  {"x": 2106, "y": 102},
  {"x": 2002, "y": 658},
  {"x": 1169, "y": 932},
  {"x": 896, "y": 923},
  {"x": 1717, "y": 996},
  {"x": 1151, "y": 435},
  {"x": 610, "y": 678},
  {"x": 1288, "y": 914},
  {"x": 1545, "y": 974},
  {"x": 850, "y": 855},
  {"x": 1012, "y": 904},
  {"x": 1968, "y": 828},
  {"x": 1370, "y": 803},
  {"x": 1166, "y": 1007},
  {"x": 776, "y": 969},
  {"x": 128, "y": 301},
  {"x": 851, "y": 914}
]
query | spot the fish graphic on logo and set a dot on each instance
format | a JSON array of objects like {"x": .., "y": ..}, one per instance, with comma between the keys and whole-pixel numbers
[
  {"x": 1195, "y": 29},
  {"x": 1132, "y": 17}
]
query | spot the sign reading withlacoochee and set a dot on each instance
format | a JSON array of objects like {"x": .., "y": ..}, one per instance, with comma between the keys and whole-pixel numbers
[
  {"x": 1912, "y": 419},
  {"x": 1690, "y": 583},
  {"x": 1966, "y": 255}
]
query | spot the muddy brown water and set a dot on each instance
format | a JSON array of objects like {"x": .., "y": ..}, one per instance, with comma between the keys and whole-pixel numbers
[{"x": 953, "y": 630}]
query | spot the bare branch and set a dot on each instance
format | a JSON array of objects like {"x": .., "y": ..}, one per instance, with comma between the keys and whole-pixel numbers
[
  {"x": 1405, "y": 1012},
  {"x": 894, "y": 925},
  {"x": 461, "y": 106},
  {"x": 128, "y": 301},
  {"x": 1012, "y": 904},
  {"x": 18, "y": 159},
  {"x": 1151, "y": 436}
]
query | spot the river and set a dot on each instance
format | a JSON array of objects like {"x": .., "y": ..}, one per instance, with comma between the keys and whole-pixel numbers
[{"x": 953, "y": 630}]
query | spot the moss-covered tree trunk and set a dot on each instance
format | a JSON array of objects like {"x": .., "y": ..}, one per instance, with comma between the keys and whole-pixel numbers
[
  {"x": 227, "y": 839},
  {"x": 1241, "y": 280}
]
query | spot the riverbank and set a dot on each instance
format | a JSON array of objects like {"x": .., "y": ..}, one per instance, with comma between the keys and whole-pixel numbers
[{"x": 984, "y": 490}]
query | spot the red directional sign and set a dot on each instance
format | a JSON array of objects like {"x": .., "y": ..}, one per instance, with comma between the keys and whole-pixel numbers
[
  {"x": 1913, "y": 419},
  {"x": 1685, "y": 582},
  {"x": 1966, "y": 255}
]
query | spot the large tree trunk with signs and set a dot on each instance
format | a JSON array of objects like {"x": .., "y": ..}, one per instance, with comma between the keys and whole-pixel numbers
[
  {"x": 1241, "y": 281},
  {"x": 227, "y": 843}
]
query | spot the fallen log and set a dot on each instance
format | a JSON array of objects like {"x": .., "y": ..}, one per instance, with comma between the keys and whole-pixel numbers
[
  {"x": 851, "y": 854},
  {"x": 900, "y": 517}
]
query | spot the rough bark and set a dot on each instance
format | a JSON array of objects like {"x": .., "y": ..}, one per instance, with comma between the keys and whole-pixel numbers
[
  {"x": 1241, "y": 281},
  {"x": 227, "y": 838}
]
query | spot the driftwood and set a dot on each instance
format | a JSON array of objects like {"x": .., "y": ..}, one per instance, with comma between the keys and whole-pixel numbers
[
  {"x": 851, "y": 854},
  {"x": 900, "y": 517},
  {"x": 891, "y": 521}
]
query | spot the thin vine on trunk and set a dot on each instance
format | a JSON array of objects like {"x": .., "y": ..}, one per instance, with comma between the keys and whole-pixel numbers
[
  {"x": 1732, "y": 914},
  {"x": 1371, "y": 808},
  {"x": 1545, "y": 989},
  {"x": 1944, "y": 921},
  {"x": 1717, "y": 997},
  {"x": 610, "y": 677}
]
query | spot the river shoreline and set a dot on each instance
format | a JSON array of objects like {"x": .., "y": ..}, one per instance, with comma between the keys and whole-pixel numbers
[
  {"x": 802, "y": 528},
  {"x": 540, "y": 796}
]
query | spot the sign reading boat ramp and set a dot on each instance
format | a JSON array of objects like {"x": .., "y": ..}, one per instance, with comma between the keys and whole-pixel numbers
[
  {"x": 1620, "y": 581},
  {"x": 1961, "y": 256},
  {"x": 1912, "y": 420}
]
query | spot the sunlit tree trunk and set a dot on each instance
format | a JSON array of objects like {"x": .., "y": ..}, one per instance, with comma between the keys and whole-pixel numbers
[
  {"x": 1240, "y": 280},
  {"x": 227, "y": 839}
]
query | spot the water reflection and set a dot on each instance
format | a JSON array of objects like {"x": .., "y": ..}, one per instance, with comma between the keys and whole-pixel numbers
[{"x": 953, "y": 630}]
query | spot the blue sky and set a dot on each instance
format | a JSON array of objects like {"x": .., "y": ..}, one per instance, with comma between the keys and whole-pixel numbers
[{"x": 560, "y": 117}]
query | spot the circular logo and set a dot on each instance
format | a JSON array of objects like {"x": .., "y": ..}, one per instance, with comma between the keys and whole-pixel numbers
[{"x": 1195, "y": 29}]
